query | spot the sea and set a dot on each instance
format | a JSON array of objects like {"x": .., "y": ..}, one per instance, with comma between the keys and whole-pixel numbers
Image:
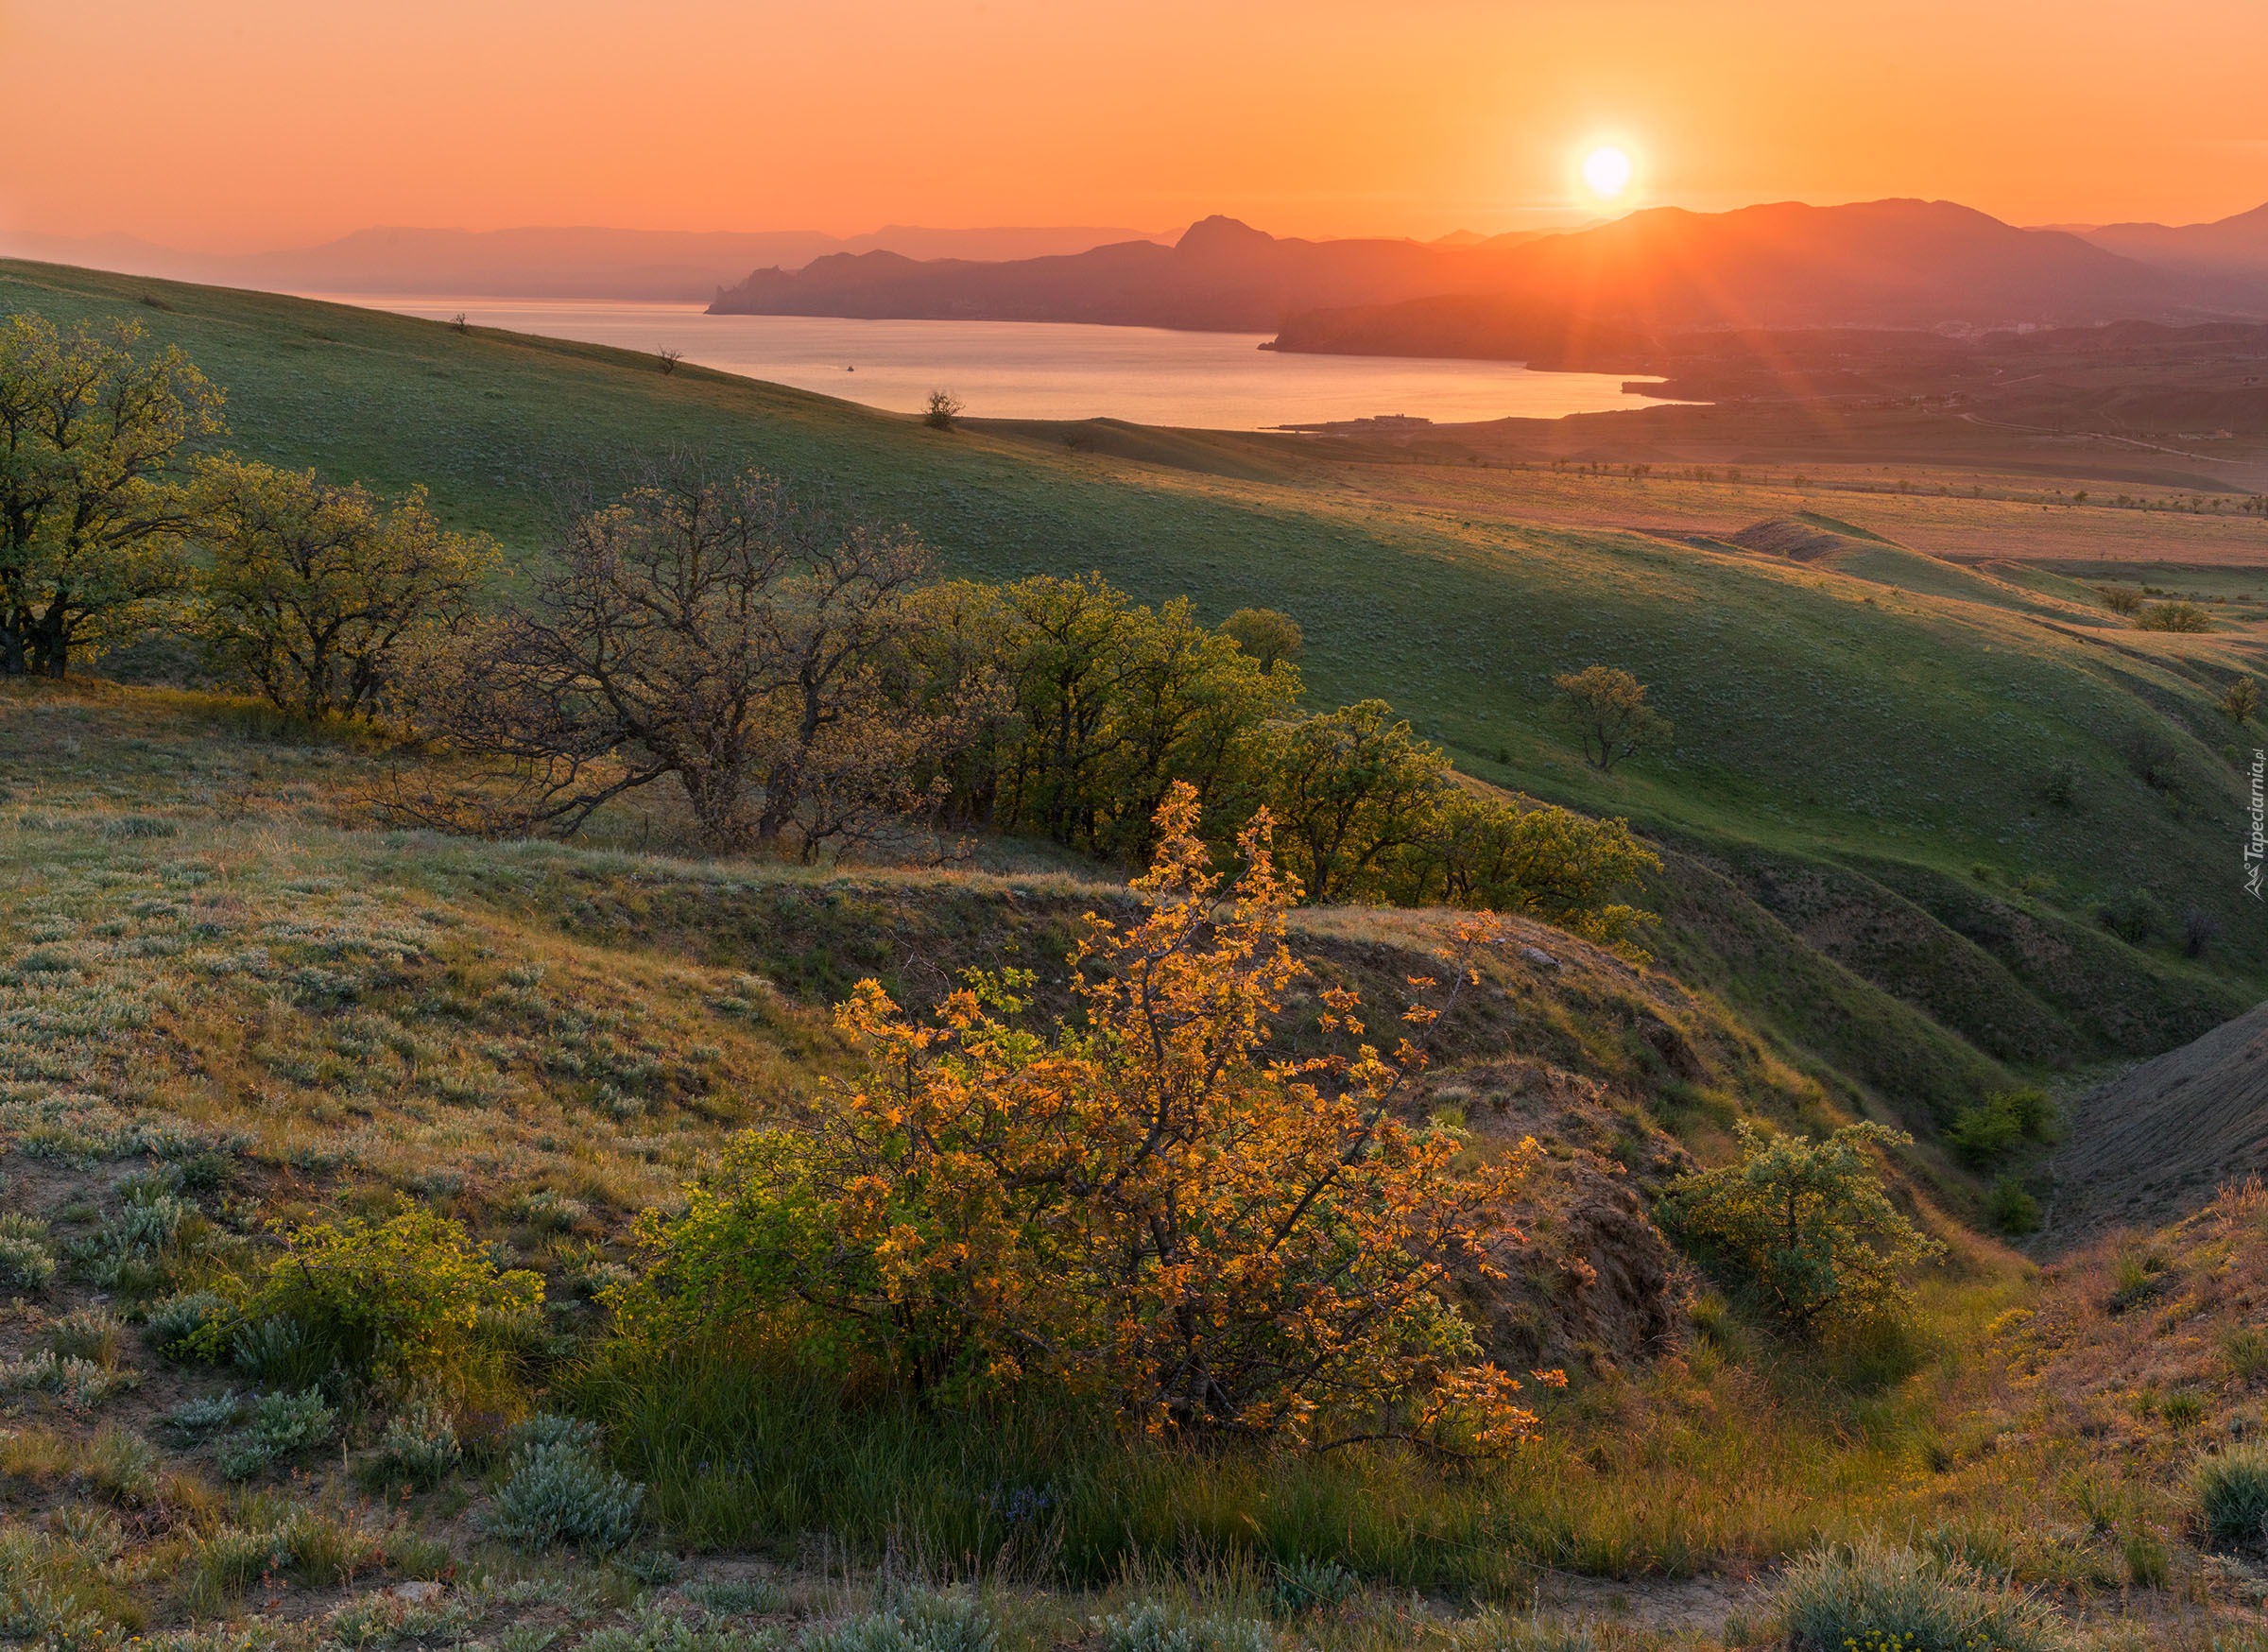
[{"x": 1045, "y": 370}]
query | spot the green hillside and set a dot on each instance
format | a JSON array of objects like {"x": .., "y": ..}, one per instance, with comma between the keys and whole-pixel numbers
[{"x": 1911, "y": 743}]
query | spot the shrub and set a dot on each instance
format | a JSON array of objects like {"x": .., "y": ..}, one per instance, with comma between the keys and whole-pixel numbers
[
  {"x": 2119, "y": 598},
  {"x": 546, "y": 1429},
  {"x": 139, "y": 1247},
  {"x": 94, "y": 1334},
  {"x": 279, "y": 1352},
  {"x": 2233, "y": 1494},
  {"x": 197, "y": 1418},
  {"x": 913, "y": 1621},
  {"x": 1148, "y": 1626},
  {"x": 189, "y": 1326},
  {"x": 1873, "y": 1595},
  {"x": 26, "y": 1262},
  {"x": 395, "y": 1299},
  {"x": 279, "y": 1424},
  {"x": 419, "y": 1449},
  {"x": 2133, "y": 917},
  {"x": 1807, "y": 1224},
  {"x": 2173, "y": 616},
  {"x": 1304, "y": 1586},
  {"x": 1139, "y": 1208},
  {"x": 944, "y": 407},
  {"x": 563, "y": 1494},
  {"x": 1994, "y": 1128},
  {"x": 2011, "y": 1208},
  {"x": 80, "y": 1384}
]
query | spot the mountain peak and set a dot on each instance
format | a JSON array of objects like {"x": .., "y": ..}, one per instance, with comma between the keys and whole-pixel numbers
[{"x": 1221, "y": 233}]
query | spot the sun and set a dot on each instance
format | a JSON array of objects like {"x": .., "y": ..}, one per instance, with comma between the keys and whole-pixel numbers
[{"x": 1607, "y": 171}]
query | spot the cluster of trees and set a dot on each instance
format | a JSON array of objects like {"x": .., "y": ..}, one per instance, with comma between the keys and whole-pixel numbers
[
  {"x": 113, "y": 520},
  {"x": 800, "y": 675},
  {"x": 805, "y": 683}
]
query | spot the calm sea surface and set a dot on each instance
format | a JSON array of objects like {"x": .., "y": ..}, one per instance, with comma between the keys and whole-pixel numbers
[{"x": 1040, "y": 369}]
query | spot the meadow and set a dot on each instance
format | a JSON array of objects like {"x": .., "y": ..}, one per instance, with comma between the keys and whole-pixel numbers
[
  {"x": 1832, "y": 721},
  {"x": 233, "y": 1004}
]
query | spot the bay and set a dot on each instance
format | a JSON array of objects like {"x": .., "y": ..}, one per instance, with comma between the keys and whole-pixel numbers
[{"x": 1040, "y": 369}]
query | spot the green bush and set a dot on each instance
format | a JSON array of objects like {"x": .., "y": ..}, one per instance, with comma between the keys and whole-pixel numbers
[
  {"x": 561, "y": 1493},
  {"x": 1878, "y": 1598},
  {"x": 2233, "y": 1494},
  {"x": 2011, "y": 1208},
  {"x": 914, "y": 1621},
  {"x": 394, "y": 1300},
  {"x": 139, "y": 1248},
  {"x": 1148, "y": 1626},
  {"x": 279, "y": 1352},
  {"x": 1997, "y": 1126},
  {"x": 1807, "y": 1226},
  {"x": 281, "y": 1424},
  {"x": 189, "y": 1326},
  {"x": 201, "y": 1416},
  {"x": 419, "y": 1449},
  {"x": 26, "y": 1262},
  {"x": 94, "y": 1334}
]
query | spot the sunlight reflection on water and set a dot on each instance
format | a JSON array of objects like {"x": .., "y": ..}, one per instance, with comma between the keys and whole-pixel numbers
[{"x": 1036, "y": 370}]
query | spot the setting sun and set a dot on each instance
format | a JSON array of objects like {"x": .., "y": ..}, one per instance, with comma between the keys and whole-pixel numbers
[{"x": 1606, "y": 171}]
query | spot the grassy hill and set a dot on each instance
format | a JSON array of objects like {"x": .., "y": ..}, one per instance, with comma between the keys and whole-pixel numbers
[
  {"x": 222, "y": 990},
  {"x": 1883, "y": 722}
]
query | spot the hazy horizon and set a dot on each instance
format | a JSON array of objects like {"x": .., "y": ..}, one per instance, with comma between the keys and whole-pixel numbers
[{"x": 1316, "y": 120}]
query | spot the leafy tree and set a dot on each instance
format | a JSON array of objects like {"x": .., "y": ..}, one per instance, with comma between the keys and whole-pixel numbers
[
  {"x": 1609, "y": 711},
  {"x": 1808, "y": 1225},
  {"x": 314, "y": 588},
  {"x": 1348, "y": 791},
  {"x": 1103, "y": 704},
  {"x": 1990, "y": 1131},
  {"x": 2173, "y": 616},
  {"x": 92, "y": 516},
  {"x": 1137, "y": 1206},
  {"x": 2119, "y": 598},
  {"x": 1269, "y": 636},
  {"x": 2241, "y": 700},
  {"x": 944, "y": 408},
  {"x": 1549, "y": 862}
]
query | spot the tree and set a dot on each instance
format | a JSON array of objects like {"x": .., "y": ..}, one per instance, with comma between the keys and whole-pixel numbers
[
  {"x": 2119, "y": 598},
  {"x": 1551, "y": 863},
  {"x": 315, "y": 589},
  {"x": 1270, "y": 637},
  {"x": 1136, "y": 1206},
  {"x": 728, "y": 635},
  {"x": 1348, "y": 791},
  {"x": 1808, "y": 1225},
  {"x": 944, "y": 407},
  {"x": 92, "y": 516},
  {"x": 1610, "y": 713},
  {"x": 2173, "y": 616},
  {"x": 2241, "y": 700}
]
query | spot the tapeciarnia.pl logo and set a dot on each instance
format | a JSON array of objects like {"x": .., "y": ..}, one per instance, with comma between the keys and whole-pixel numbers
[{"x": 2255, "y": 846}]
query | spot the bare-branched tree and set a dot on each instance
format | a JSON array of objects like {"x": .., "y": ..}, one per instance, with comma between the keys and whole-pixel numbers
[{"x": 726, "y": 634}]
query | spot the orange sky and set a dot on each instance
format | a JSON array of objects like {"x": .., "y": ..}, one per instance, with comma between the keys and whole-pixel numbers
[{"x": 230, "y": 124}]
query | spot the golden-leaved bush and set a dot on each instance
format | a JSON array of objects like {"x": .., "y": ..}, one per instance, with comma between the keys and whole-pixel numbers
[{"x": 1137, "y": 1206}]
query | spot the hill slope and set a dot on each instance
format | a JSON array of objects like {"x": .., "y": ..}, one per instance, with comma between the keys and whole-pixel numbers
[{"x": 1833, "y": 730}]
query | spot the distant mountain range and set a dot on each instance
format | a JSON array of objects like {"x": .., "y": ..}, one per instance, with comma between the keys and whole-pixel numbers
[
  {"x": 1581, "y": 294},
  {"x": 2237, "y": 246},
  {"x": 540, "y": 262}
]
